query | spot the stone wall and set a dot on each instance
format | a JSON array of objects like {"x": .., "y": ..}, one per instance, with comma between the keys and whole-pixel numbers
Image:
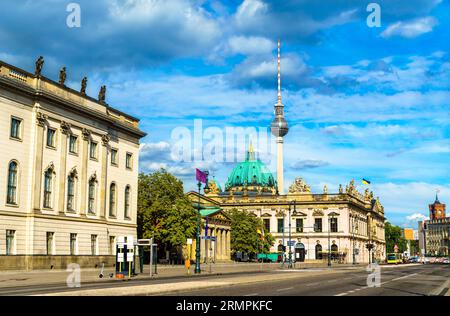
[{"x": 53, "y": 262}]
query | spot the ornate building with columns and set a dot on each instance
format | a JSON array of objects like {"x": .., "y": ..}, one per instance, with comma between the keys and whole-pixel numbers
[
  {"x": 343, "y": 222},
  {"x": 70, "y": 168},
  {"x": 215, "y": 223}
]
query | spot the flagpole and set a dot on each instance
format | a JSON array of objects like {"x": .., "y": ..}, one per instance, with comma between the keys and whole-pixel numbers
[{"x": 197, "y": 244}]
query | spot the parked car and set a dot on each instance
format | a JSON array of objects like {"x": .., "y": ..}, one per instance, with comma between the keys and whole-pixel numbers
[
  {"x": 413, "y": 259},
  {"x": 446, "y": 261}
]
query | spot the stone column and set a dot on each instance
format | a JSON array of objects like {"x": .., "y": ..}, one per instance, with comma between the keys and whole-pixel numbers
[
  {"x": 84, "y": 164},
  {"x": 41, "y": 122},
  {"x": 219, "y": 244},
  {"x": 228, "y": 245},
  {"x": 103, "y": 177},
  {"x": 65, "y": 133},
  {"x": 224, "y": 244}
]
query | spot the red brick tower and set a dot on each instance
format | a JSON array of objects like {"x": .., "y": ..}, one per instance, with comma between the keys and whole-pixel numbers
[{"x": 437, "y": 209}]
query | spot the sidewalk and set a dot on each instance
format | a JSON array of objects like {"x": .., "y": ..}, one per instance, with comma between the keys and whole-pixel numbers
[{"x": 39, "y": 277}]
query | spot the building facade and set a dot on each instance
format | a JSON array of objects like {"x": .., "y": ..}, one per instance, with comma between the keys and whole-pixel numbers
[
  {"x": 343, "y": 223},
  {"x": 436, "y": 230},
  {"x": 70, "y": 169}
]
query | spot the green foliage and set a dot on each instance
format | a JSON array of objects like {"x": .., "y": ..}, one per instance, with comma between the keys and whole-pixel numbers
[
  {"x": 244, "y": 233},
  {"x": 393, "y": 235},
  {"x": 164, "y": 211}
]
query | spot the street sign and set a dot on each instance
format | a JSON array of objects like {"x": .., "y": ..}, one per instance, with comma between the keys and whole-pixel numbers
[
  {"x": 291, "y": 243},
  {"x": 212, "y": 238},
  {"x": 120, "y": 257},
  {"x": 395, "y": 248},
  {"x": 189, "y": 241},
  {"x": 130, "y": 242}
]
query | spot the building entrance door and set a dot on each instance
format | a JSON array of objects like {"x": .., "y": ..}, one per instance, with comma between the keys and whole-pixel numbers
[{"x": 300, "y": 252}]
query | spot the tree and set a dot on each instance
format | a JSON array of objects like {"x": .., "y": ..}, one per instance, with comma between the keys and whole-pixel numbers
[
  {"x": 393, "y": 235},
  {"x": 244, "y": 233},
  {"x": 164, "y": 211}
]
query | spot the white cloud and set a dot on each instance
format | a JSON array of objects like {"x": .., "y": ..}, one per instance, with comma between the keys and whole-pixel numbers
[
  {"x": 250, "y": 45},
  {"x": 410, "y": 29},
  {"x": 416, "y": 217}
]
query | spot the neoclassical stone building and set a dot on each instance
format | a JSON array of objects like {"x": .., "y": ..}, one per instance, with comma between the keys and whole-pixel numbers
[
  {"x": 215, "y": 223},
  {"x": 348, "y": 219},
  {"x": 69, "y": 170}
]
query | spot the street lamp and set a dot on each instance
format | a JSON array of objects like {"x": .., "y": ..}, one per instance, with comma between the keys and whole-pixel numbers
[
  {"x": 290, "y": 227},
  {"x": 331, "y": 216},
  {"x": 355, "y": 231},
  {"x": 197, "y": 243}
]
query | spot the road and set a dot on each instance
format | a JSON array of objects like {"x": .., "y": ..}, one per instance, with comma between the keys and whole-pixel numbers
[
  {"x": 395, "y": 280},
  {"x": 344, "y": 281}
]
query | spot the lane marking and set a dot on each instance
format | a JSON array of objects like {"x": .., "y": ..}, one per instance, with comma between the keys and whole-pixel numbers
[
  {"x": 341, "y": 294},
  {"x": 253, "y": 294},
  {"x": 285, "y": 289}
]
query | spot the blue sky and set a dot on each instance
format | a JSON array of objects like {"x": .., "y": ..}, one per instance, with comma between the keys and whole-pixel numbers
[{"x": 361, "y": 102}]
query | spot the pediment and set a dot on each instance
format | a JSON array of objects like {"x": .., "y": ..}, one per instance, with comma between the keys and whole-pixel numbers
[{"x": 318, "y": 213}]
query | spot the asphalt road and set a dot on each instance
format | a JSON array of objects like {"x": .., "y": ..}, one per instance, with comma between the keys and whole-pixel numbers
[
  {"x": 405, "y": 280},
  {"x": 395, "y": 280}
]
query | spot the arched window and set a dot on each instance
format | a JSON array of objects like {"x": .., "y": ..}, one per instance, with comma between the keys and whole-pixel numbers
[
  {"x": 71, "y": 180},
  {"x": 91, "y": 196},
  {"x": 127, "y": 201},
  {"x": 112, "y": 200},
  {"x": 48, "y": 188},
  {"x": 334, "y": 252},
  {"x": 318, "y": 252},
  {"x": 12, "y": 183}
]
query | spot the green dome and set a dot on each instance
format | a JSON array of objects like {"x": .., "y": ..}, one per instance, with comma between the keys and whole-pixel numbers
[{"x": 251, "y": 173}]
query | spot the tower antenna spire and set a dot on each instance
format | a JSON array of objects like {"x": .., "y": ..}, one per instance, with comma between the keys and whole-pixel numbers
[{"x": 279, "y": 71}]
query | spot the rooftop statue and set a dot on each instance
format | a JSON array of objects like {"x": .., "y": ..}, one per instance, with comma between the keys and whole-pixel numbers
[
  {"x": 62, "y": 76},
  {"x": 299, "y": 186},
  {"x": 83, "y": 85},
  {"x": 102, "y": 94},
  {"x": 39, "y": 66}
]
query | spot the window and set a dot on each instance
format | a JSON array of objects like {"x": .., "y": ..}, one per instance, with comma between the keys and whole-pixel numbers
[
  {"x": 127, "y": 201},
  {"x": 318, "y": 252},
  {"x": 91, "y": 197},
  {"x": 266, "y": 222},
  {"x": 299, "y": 225},
  {"x": 15, "y": 128},
  {"x": 10, "y": 242},
  {"x": 94, "y": 245},
  {"x": 73, "y": 244},
  {"x": 48, "y": 179},
  {"x": 73, "y": 143},
  {"x": 112, "y": 245},
  {"x": 112, "y": 200},
  {"x": 334, "y": 225},
  {"x": 280, "y": 225},
  {"x": 129, "y": 161},
  {"x": 50, "y": 242},
  {"x": 93, "y": 150},
  {"x": 71, "y": 192},
  {"x": 11, "y": 197},
  {"x": 51, "y": 138},
  {"x": 318, "y": 225},
  {"x": 114, "y": 157}
]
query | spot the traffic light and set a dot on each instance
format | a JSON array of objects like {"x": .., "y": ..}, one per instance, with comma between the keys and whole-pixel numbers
[{"x": 369, "y": 246}]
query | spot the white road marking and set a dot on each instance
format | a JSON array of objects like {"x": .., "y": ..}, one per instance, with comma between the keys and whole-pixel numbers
[
  {"x": 253, "y": 294},
  {"x": 341, "y": 294},
  {"x": 285, "y": 289}
]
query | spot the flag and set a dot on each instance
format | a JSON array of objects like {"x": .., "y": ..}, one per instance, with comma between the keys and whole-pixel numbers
[
  {"x": 364, "y": 181},
  {"x": 200, "y": 176},
  {"x": 206, "y": 226}
]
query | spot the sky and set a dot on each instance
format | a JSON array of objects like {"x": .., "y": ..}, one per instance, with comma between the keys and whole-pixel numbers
[{"x": 361, "y": 102}]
